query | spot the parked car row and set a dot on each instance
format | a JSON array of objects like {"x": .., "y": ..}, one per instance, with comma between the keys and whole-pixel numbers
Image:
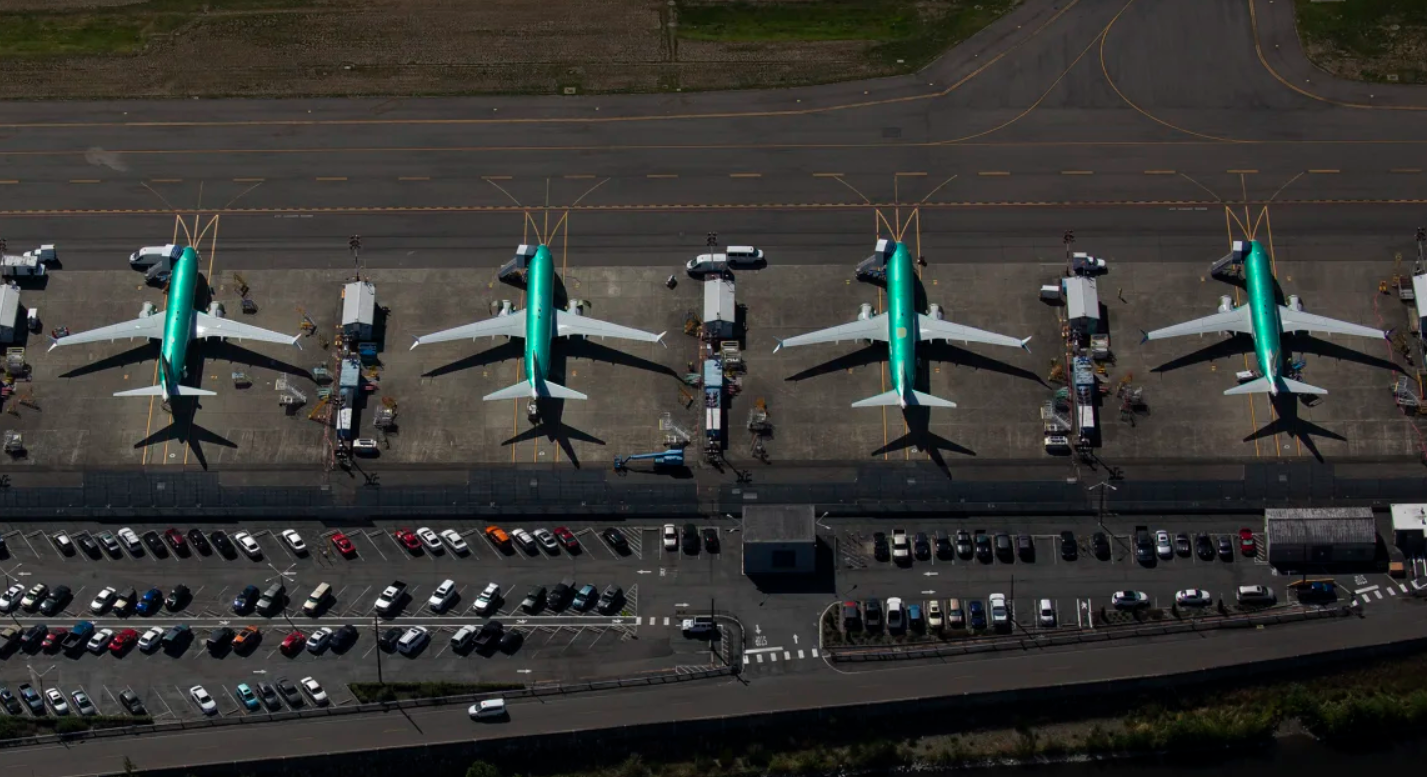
[
  {"x": 903, "y": 548},
  {"x": 52, "y": 700},
  {"x": 690, "y": 539}
]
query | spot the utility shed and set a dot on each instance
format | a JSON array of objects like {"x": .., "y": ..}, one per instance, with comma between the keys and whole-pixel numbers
[
  {"x": 359, "y": 310},
  {"x": 1409, "y": 528},
  {"x": 719, "y": 313},
  {"x": 779, "y": 540},
  {"x": 1082, "y": 304},
  {"x": 1322, "y": 536},
  {"x": 10, "y": 308}
]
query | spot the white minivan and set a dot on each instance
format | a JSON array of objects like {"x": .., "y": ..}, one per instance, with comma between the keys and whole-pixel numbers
[
  {"x": 154, "y": 254},
  {"x": 733, "y": 256}
]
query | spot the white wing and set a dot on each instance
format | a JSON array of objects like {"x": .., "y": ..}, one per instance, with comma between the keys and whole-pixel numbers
[
  {"x": 874, "y": 328},
  {"x": 933, "y": 329},
  {"x": 512, "y": 325},
  {"x": 567, "y": 324},
  {"x": 1298, "y": 321},
  {"x": 147, "y": 327},
  {"x": 1236, "y": 320},
  {"x": 205, "y": 326}
]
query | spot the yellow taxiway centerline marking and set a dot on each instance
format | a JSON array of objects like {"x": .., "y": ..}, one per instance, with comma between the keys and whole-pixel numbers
[
  {"x": 745, "y": 175},
  {"x": 414, "y": 178},
  {"x": 661, "y": 175},
  {"x": 1077, "y": 172},
  {"x": 1405, "y": 170},
  {"x": 165, "y": 180},
  {"x": 1241, "y": 172},
  {"x": 10, "y": 181},
  {"x": 579, "y": 176},
  {"x": 910, "y": 175},
  {"x": 331, "y": 177},
  {"x": 1324, "y": 172},
  {"x": 1159, "y": 172},
  {"x": 248, "y": 180},
  {"x": 496, "y": 177},
  {"x": 827, "y": 175},
  {"x": 84, "y": 180},
  {"x": 993, "y": 172}
]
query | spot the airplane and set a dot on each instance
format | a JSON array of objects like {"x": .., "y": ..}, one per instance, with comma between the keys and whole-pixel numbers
[
  {"x": 1265, "y": 321},
  {"x": 538, "y": 324},
  {"x": 176, "y": 328},
  {"x": 901, "y": 327}
]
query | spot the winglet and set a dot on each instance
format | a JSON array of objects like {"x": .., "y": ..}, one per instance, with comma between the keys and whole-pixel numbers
[
  {"x": 297, "y": 340},
  {"x": 778, "y": 347},
  {"x": 660, "y": 338},
  {"x": 1144, "y": 337},
  {"x": 1385, "y": 335},
  {"x": 54, "y": 343},
  {"x": 415, "y": 342},
  {"x": 1025, "y": 347}
]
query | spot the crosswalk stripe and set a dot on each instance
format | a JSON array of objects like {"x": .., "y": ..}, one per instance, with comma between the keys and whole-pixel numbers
[
  {"x": 666, "y": 620},
  {"x": 815, "y": 652},
  {"x": 1403, "y": 587},
  {"x": 1392, "y": 592},
  {"x": 1379, "y": 594},
  {"x": 787, "y": 656},
  {"x": 800, "y": 653}
]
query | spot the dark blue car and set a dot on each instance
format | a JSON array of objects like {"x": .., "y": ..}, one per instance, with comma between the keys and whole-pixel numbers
[
  {"x": 244, "y": 601},
  {"x": 150, "y": 601},
  {"x": 977, "y": 612}
]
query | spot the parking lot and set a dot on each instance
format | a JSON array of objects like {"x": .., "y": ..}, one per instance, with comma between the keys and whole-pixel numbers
[{"x": 639, "y": 634}]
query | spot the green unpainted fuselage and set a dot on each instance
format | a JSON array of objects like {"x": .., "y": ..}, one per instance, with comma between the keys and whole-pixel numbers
[
  {"x": 1263, "y": 313},
  {"x": 539, "y": 316},
  {"x": 178, "y": 320},
  {"x": 902, "y": 332}
]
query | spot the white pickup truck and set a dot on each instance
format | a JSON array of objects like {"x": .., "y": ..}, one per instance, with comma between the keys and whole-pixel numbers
[
  {"x": 390, "y": 598},
  {"x": 901, "y": 548}
]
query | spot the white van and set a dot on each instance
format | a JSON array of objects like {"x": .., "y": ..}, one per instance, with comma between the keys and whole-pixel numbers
[
  {"x": 1047, "y": 613},
  {"x": 154, "y": 254},
  {"x": 317, "y": 599},
  {"x": 1256, "y": 594},
  {"x": 743, "y": 256},
  {"x": 733, "y": 256}
]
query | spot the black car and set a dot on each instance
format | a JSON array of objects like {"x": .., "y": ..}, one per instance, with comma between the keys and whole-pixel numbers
[
  {"x": 177, "y": 598},
  {"x": 156, "y": 544},
  {"x": 489, "y": 635},
  {"x": 611, "y": 599},
  {"x": 616, "y": 539},
  {"x": 1226, "y": 548},
  {"x": 11, "y": 704},
  {"x": 387, "y": 641},
  {"x": 131, "y": 702},
  {"x": 964, "y": 548},
  {"x": 269, "y": 696},
  {"x": 34, "y": 636},
  {"x": 691, "y": 539},
  {"x": 1204, "y": 547},
  {"x": 32, "y": 699},
  {"x": 1181, "y": 544},
  {"x": 560, "y": 596},
  {"x": 176, "y": 638},
  {"x": 943, "y": 545},
  {"x": 1069, "y": 549},
  {"x": 1100, "y": 545},
  {"x": 922, "y": 546},
  {"x": 89, "y": 546},
  {"x": 220, "y": 638},
  {"x": 983, "y": 547},
  {"x": 199, "y": 542},
  {"x": 1005, "y": 549},
  {"x": 245, "y": 600},
  {"x": 344, "y": 638},
  {"x": 710, "y": 540},
  {"x": 880, "y": 549},
  {"x": 55, "y": 602},
  {"x": 511, "y": 642},
  {"x": 223, "y": 545},
  {"x": 872, "y": 614},
  {"x": 289, "y": 692},
  {"x": 534, "y": 600},
  {"x": 1025, "y": 547}
]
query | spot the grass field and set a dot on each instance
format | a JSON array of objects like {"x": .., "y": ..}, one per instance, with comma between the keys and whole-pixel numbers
[
  {"x": 1370, "y": 40},
  {"x": 112, "y": 30}
]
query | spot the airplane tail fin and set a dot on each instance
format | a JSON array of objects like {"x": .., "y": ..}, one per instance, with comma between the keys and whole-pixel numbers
[
  {"x": 894, "y": 397},
  {"x": 1264, "y": 386},
  {"x": 158, "y": 391},
  {"x": 523, "y": 390}
]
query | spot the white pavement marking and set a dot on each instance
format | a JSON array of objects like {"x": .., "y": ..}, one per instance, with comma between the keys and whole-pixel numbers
[
  {"x": 746, "y": 659},
  {"x": 666, "y": 620},
  {"x": 815, "y": 652},
  {"x": 759, "y": 657},
  {"x": 1392, "y": 591},
  {"x": 1367, "y": 590},
  {"x": 800, "y": 654},
  {"x": 1379, "y": 594}
]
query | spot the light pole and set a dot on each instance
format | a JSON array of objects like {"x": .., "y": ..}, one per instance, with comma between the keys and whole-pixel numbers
[
  {"x": 376, "y": 635},
  {"x": 1103, "y": 486}
]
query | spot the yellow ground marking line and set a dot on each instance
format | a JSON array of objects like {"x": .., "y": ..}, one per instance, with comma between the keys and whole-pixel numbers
[
  {"x": 579, "y": 176},
  {"x": 1253, "y": 421},
  {"x": 496, "y": 178},
  {"x": 1326, "y": 171},
  {"x": 249, "y": 180},
  {"x": 84, "y": 180},
  {"x": 165, "y": 180},
  {"x": 897, "y": 206},
  {"x": 331, "y": 178},
  {"x": 1258, "y": 49},
  {"x": 1077, "y": 172},
  {"x": 854, "y": 189},
  {"x": 910, "y": 175},
  {"x": 1273, "y": 262},
  {"x": 661, "y": 175},
  {"x": 587, "y": 193},
  {"x": 1244, "y": 188},
  {"x": 745, "y": 175},
  {"x": 414, "y": 178},
  {"x": 937, "y": 189},
  {"x": 10, "y": 181},
  {"x": 1241, "y": 172},
  {"x": 827, "y": 175},
  {"x": 989, "y": 173},
  {"x": 1159, "y": 172},
  {"x": 1285, "y": 185},
  {"x": 503, "y": 191},
  {"x": 1407, "y": 170}
]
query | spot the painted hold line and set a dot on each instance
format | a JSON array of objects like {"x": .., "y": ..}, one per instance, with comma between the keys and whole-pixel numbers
[{"x": 1361, "y": 591}]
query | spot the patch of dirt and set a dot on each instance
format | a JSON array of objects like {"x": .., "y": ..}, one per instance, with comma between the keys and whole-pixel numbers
[
  {"x": 1405, "y": 57},
  {"x": 10, "y": 6},
  {"x": 344, "y": 47}
]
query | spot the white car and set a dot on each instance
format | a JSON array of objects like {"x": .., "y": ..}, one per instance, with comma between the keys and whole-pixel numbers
[
  {"x": 34, "y": 596},
  {"x": 61, "y": 707},
  {"x": 83, "y": 704},
  {"x": 443, "y": 595},
  {"x": 1047, "y": 613},
  {"x": 486, "y": 602},
  {"x": 314, "y": 691},
  {"x": 671, "y": 537},
  {"x": 896, "y": 614},
  {"x": 547, "y": 540},
  {"x": 934, "y": 616},
  {"x": 204, "y": 701},
  {"x": 1129, "y": 600},
  {"x": 131, "y": 540},
  {"x": 1193, "y": 597},
  {"x": 901, "y": 549},
  {"x": 103, "y": 601},
  {"x": 11, "y": 598},
  {"x": 100, "y": 640},
  {"x": 294, "y": 541},
  {"x": 413, "y": 640},
  {"x": 523, "y": 538},
  {"x": 453, "y": 540},
  {"x": 429, "y": 539},
  {"x": 318, "y": 639},
  {"x": 490, "y": 708},
  {"x": 249, "y": 545},
  {"x": 1000, "y": 614},
  {"x": 151, "y": 639},
  {"x": 1162, "y": 545}
]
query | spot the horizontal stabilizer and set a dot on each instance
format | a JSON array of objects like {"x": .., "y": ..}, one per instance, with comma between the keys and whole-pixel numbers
[
  {"x": 559, "y": 392},
  {"x": 1264, "y": 386},
  {"x": 894, "y": 397},
  {"x": 523, "y": 390},
  {"x": 158, "y": 391}
]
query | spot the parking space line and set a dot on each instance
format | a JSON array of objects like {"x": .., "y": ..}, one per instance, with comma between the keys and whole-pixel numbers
[{"x": 24, "y": 537}]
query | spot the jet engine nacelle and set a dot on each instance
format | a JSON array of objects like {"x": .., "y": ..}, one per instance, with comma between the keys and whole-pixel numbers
[
  {"x": 1226, "y": 304},
  {"x": 864, "y": 312},
  {"x": 215, "y": 309},
  {"x": 1294, "y": 303},
  {"x": 934, "y": 310},
  {"x": 147, "y": 310}
]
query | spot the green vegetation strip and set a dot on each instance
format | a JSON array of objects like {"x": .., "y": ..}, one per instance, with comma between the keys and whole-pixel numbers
[
  {"x": 1360, "y": 27},
  {"x": 116, "y": 30},
  {"x": 902, "y": 32},
  {"x": 370, "y": 693},
  {"x": 15, "y": 727}
]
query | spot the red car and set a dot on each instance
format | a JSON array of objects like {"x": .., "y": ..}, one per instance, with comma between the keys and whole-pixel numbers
[
  {"x": 175, "y": 540},
  {"x": 53, "y": 640},
  {"x": 408, "y": 539},
  {"x": 293, "y": 643},
  {"x": 1246, "y": 542},
  {"x": 567, "y": 538},
  {"x": 122, "y": 641},
  {"x": 344, "y": 544}
]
